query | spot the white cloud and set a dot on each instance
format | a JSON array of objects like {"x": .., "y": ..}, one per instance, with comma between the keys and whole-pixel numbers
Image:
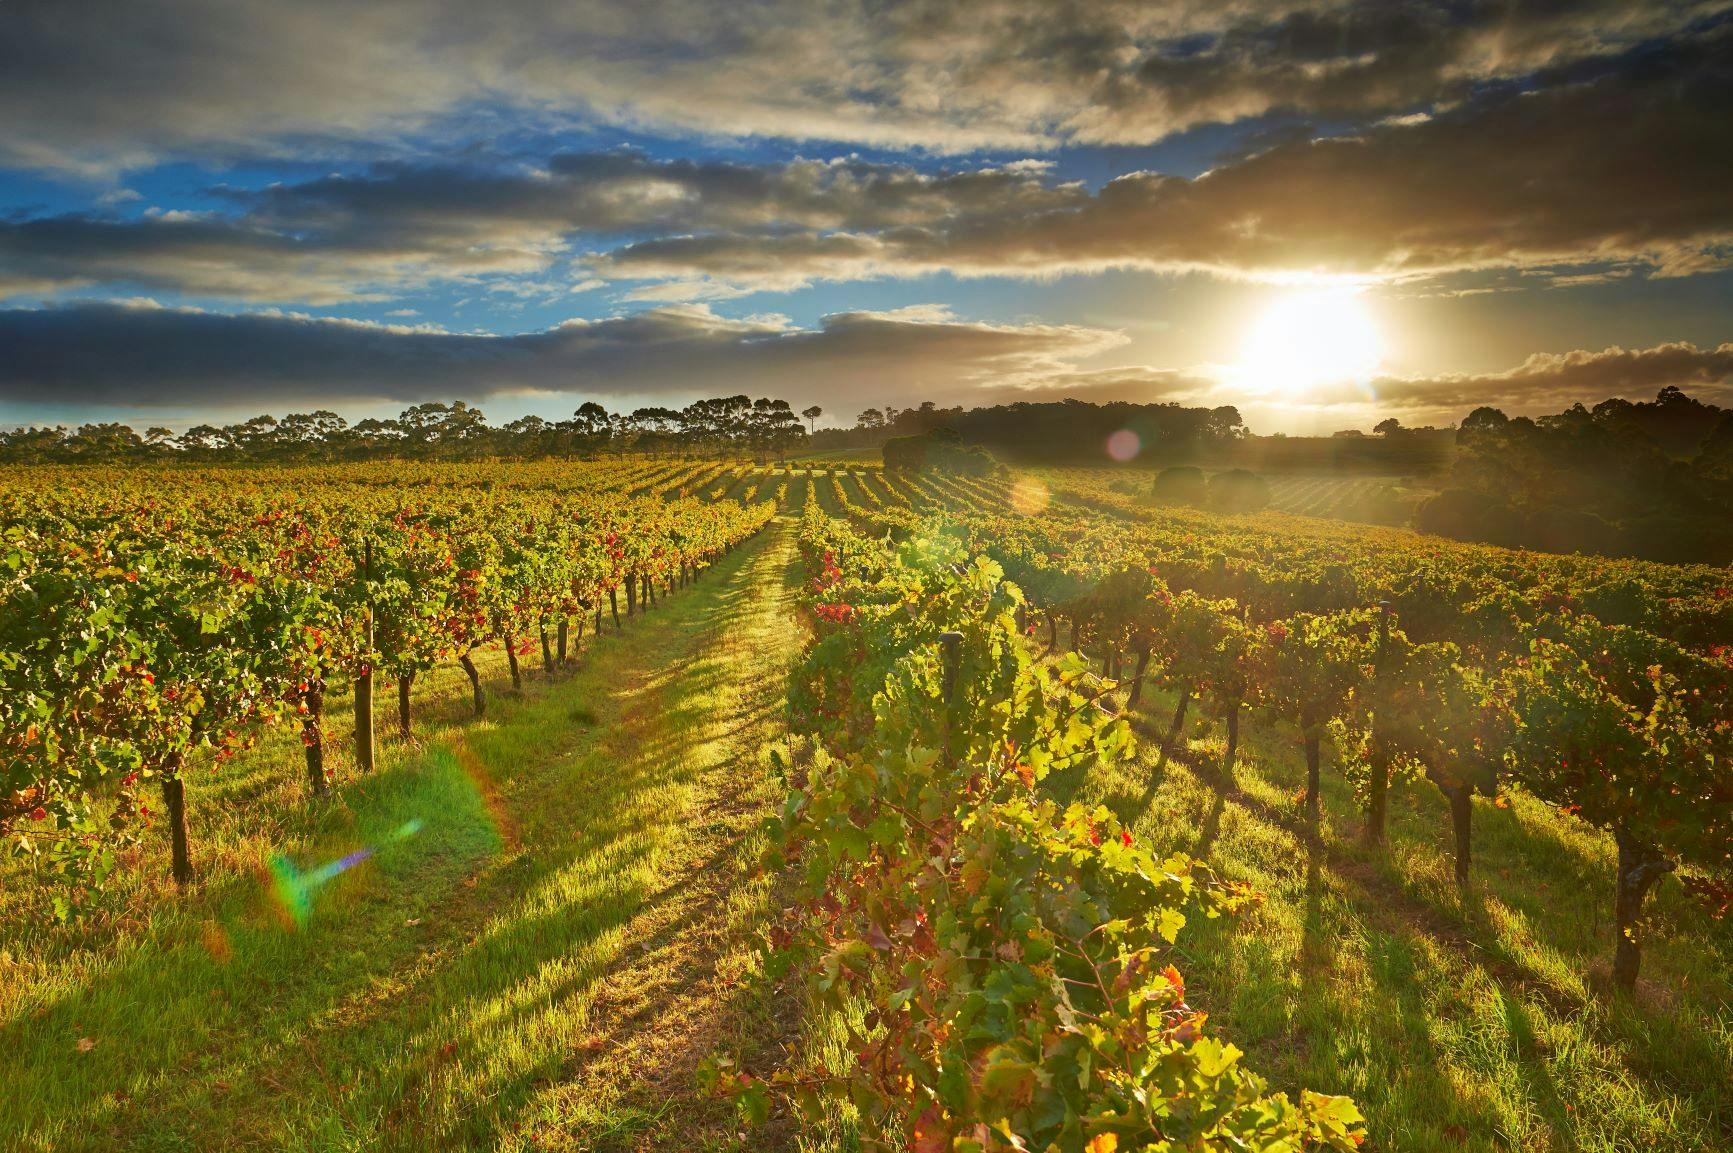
[{"x": 153, "y": 356}]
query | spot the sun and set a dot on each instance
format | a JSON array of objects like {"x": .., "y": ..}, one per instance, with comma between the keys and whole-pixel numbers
[{"x": 1309, "y": 340}]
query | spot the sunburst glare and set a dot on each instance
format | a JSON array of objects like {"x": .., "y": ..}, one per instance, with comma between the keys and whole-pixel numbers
[{"x": 1307, "y": 341}]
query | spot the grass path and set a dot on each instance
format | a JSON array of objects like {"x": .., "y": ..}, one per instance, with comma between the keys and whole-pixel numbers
[{"x": 539, "y": 965}]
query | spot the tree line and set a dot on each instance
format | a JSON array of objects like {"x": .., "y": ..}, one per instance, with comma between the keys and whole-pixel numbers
[
  {"x": 1652, "y": 479},
  {"x": 1052, "y": 432},
  {"x": 720, "y": 426}
]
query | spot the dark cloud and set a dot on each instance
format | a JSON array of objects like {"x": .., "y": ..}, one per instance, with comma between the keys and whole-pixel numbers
[
  {"x": 1626, "y": 162},
  {"x": 142, "y": 356},
  {"x": 215, "y": 256},
  {"x": 1550, "y": 382},
  {"x": 399, "y": 226},
  {"x": 1546, "y": 382},
  {"x": 118, "y": 82},
  {"x": 1358, "y": 59},
  {"x": 623, "y": 192},
  {"x": 1139, "y": 383},
  {"x": 138, "y": 357}
]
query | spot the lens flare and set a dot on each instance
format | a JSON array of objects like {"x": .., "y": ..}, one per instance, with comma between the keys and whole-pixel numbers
[
  {"x": 1029, "y": 496},
  {"x": 1124, "y": 445},
  {"x": 215, "y": 939},
  {"x": 486, "y": 790},
  {"x": 294, "y": 890}
]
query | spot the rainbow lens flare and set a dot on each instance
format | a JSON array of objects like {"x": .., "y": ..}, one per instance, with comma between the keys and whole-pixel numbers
[{"x": 294, "y": 889}]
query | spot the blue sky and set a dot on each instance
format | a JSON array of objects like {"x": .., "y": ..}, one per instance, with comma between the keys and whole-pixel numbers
[{"x": 573, "y": 202}]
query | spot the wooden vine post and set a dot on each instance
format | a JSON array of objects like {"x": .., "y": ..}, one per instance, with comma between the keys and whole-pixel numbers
[
  {"x": 364, "y": 682},
  {"x": 1378, "y": 787},
  {"x": 313, "y": 735},
  {"x": 174, "y": 795}
]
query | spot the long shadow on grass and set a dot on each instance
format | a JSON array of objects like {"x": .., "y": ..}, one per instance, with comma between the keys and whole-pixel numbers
[
  {"x": 1470, "y": 937},
  {"x": 225, "y": 964},
  {"x": 227, "y": 975},
  {"x": 581, "y": 941},
  {"x": 1461, "y": 928}
]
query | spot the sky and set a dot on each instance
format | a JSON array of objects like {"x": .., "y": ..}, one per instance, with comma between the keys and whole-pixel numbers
[{"x": 1324, "y": 213}]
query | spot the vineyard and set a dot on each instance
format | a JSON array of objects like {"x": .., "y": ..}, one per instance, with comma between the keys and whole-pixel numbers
[
  {"x": 142, "y": 627},
  {"x": 673, "y": 802},
  {"x": 1374, "y": 499}
]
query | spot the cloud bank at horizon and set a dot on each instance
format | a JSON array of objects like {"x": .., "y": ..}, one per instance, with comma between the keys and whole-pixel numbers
[
  {"x": 141, "y": 356},
  {"x": 1408, "y": 142}
]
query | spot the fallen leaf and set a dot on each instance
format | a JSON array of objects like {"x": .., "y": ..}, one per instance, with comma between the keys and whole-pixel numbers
[{"x": 85, "y": 1045}]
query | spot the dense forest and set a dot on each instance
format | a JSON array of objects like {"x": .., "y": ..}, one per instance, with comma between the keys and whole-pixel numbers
[
  {"x": 1055, "y": 432},
  {"x": 1652, "y": 479}
]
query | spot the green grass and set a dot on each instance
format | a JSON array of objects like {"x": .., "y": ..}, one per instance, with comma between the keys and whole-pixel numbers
[
  {"x": 540, "y": 966},
  {"x": 544, "y": 962},
  {"x": 1480, "y": 1020}
]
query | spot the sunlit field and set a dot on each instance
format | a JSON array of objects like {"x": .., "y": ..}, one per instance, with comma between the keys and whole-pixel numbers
[
  {"x": 895, "y": 577},
  {"x": 541, "y": 930},
  {"x": 565, "y": 924}
]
